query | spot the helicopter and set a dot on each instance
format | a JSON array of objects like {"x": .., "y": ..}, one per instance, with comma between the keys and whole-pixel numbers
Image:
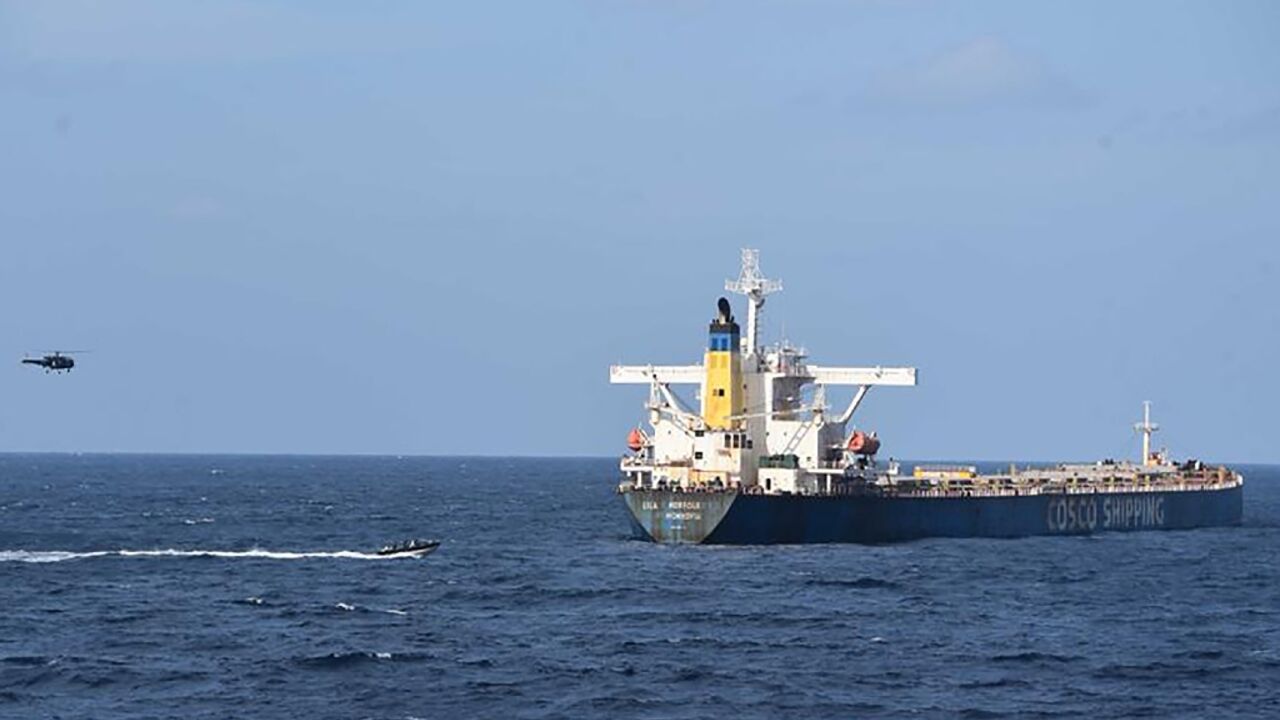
[{"x": 56, "y": 361}]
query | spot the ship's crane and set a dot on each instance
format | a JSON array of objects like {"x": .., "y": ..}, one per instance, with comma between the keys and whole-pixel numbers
[{"x": 862, "y": 377}]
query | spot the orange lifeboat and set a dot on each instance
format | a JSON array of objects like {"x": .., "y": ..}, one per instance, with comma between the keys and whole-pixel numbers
[
  {"x": 635, "y": 440},
  {"x": 863, "y": 444}
]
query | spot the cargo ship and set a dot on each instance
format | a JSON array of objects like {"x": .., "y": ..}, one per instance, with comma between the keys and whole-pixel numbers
[{"x": 764, "y": 460}]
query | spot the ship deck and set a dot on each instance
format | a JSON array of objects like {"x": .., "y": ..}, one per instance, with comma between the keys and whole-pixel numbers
[{"x": 1014, "y": 485}]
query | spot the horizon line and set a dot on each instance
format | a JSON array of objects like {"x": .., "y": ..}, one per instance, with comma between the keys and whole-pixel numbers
[{"x": 470, "y": 456}]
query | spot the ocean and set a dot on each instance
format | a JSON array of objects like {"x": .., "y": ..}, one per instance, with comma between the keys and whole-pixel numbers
[{"x": 228, "y": 586}]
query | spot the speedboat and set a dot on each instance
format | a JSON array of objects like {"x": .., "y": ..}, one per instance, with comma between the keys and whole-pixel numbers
[{"x": 410, "y": 548}]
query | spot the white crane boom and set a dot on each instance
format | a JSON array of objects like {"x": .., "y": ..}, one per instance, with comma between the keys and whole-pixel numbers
[
  {"x": 663, "y": 374},
  {"x": 900, "y": 376}
]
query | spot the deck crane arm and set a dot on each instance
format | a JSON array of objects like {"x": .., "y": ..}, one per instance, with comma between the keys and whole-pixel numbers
[{"x": 665, "y": 374}]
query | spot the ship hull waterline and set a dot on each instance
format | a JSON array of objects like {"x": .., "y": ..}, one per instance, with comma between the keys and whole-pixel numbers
[{"x": 730, "y": 518}]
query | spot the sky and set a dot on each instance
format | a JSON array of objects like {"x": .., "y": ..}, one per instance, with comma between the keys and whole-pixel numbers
[{"x": 429, "y": 228}]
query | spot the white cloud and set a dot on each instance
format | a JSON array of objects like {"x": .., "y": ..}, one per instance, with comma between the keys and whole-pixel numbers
[{"x": 982, "y": 72}]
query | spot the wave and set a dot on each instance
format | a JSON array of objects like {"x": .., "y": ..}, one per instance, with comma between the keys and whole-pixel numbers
[
  {"x": 997, "y": 683},
  {"x": 52, "y": 556},
  {"x": 1032, "y": 656},
  {"x": 340, "y": 660},
  {"x": 864, "y": 583}
]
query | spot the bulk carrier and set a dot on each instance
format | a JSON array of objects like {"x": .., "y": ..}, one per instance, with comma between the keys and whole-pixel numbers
[{"x": 766, "y": 461}]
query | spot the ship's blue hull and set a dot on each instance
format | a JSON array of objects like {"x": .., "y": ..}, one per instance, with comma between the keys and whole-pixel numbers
[{"x": 742, "y": 519}]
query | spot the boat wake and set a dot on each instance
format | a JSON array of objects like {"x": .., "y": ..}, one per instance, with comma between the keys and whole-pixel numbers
[{"x": 53, "y": 556}]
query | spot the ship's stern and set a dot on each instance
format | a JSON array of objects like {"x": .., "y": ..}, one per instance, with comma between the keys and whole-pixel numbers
[{"x": 676, "y": 518}]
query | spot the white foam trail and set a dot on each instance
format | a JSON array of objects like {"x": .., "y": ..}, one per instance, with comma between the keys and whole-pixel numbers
[
  {"x": 45, "y": 556},
  {"x": 51, "y": 556},
  {"x": 254, "y": 553}
]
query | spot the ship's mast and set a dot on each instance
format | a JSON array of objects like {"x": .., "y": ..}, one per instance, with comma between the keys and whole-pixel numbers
[
  {"x": 1146, "y": 427},
  {"x": 754, "y": 285}
]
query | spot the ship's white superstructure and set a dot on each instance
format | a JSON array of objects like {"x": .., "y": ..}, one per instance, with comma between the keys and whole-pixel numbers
[{"x": 763, "y": 425}]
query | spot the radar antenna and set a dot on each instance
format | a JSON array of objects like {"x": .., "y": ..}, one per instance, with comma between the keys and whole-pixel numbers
[
  {"x": 1146, "y": 427},
  {"x": 754, "y": 285}
]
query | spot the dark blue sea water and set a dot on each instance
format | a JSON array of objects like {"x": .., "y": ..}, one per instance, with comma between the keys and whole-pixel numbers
[{"x": 537, "y": 605}]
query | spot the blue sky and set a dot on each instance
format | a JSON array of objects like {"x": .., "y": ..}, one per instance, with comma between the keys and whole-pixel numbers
[{"x": 429, "y": 228}]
